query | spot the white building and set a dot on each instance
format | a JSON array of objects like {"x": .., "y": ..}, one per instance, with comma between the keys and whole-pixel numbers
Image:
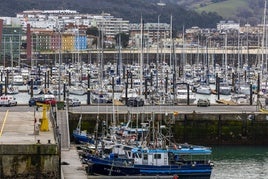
[
  {"x": 152, "y": 31},
  {"x": 55, "y": 19},
  {"x": 227, "y": 25}
]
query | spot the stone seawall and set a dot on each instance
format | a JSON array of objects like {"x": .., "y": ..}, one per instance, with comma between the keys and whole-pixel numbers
[
  {"x": 196, "y": 128},
  {"x": 40, "y": 161}
]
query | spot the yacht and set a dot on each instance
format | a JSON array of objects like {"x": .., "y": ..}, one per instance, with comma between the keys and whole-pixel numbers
[
  {"x": 203, "y": 89},
  {"x": 77, "y": 90},
  {"x": 100, "y": 95},
  {"x": 17, "y": 80},
  {"x": 131, "y": 92},
  {"x": 225, "y": 89},
  {"x": 181, "y": 95}
]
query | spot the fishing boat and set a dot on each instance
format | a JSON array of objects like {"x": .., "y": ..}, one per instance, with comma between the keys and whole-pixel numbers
[
  {"x": 182, "y": 160},
  {"x": 81, "y": 136},
  {"x": 151, "y": 154}
]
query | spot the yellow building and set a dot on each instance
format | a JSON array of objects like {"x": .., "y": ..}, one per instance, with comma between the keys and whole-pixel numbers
[{"x": 67, "y": 43}]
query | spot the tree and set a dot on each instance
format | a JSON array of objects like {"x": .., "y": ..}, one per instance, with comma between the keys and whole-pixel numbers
[
  {"x": 93, "y": 31},
  {"x": 96, "y": 34},
  {"x": 124, "y": 39}
]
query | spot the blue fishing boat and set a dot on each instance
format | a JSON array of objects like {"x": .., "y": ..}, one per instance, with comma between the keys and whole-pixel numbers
[
  {"x": 182, "y": 160},
  {"x": 150, "y": 153},
  {"x": 81, "y": 136}
]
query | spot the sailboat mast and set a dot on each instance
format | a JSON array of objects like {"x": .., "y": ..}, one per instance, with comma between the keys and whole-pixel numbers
[
  {"x": 263, "y": 35},
  {"x": 170, "y": 34},
  {"x": 141, "y": 55}
]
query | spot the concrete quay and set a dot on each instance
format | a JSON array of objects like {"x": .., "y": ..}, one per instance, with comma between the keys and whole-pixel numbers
[
  {"x": 18, "y": 128},
  {"x": 26, "y": 152}
]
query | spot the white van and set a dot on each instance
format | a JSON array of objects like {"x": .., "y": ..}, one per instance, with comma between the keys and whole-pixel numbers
[{"x": 8, "y": 100}]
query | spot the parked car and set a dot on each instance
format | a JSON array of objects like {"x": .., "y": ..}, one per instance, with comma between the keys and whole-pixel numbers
[
  {"x": 33, "y": 100},
  {"x": 73, "y": 102},
  {"x": 7, "y": 100},
  {"x": 46, "y": 99},
  {"x": 135, "y": 101},
  {"x": 203, "y": 102},
  {"x": 50, "y": 99}
]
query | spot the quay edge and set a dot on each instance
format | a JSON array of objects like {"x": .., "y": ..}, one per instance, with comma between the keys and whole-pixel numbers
[{"x": 239, "y": 128}]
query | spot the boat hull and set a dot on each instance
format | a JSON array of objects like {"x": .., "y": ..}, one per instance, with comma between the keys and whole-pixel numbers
[
  {"x": 122, "y": 167},
  {"x": 116, "y": 170}
]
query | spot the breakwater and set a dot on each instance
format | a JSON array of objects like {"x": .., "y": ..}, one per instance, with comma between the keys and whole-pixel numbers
[{"x": 240, "y": 128}]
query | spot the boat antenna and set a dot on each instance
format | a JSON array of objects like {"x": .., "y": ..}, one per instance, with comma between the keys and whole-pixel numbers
[{"x": 96, "y": 135}]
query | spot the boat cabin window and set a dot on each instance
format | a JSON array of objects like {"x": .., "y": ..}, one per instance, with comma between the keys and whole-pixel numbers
[
  {"x": 129, "y": 154},
  {"x": 157, "y": 156},
  {"x": 137, "y": 155},
  {"x": 145, "y": 156}
]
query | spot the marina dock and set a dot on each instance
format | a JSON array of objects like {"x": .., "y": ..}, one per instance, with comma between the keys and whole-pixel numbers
[{"x": 48, "y": 156}]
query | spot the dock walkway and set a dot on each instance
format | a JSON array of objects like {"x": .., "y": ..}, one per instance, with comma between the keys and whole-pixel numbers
[
  {"x": 63, "y": 123},
  {"x": 71, "y": 166}
]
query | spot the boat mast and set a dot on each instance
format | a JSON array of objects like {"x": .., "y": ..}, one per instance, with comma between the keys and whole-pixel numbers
[
  {"x": 263, "y": 35},
  {"x": 170, "y": 38},
  {"x": 141, "y": 55}
]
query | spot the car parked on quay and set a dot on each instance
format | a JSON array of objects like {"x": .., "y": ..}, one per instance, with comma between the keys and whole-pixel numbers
[
  {"x": 8, "y": 100},
  {"x": 73, "y": 102},
  {"x": 46, "y": 99},
  {"x": 203, "y": 102}
]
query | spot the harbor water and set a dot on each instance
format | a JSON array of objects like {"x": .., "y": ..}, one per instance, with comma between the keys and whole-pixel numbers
[{"x": 240, "y": 162}]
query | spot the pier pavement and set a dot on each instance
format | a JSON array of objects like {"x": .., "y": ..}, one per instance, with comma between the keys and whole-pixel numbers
[
  {"x": 71, "y": 165},
  {"x": 18, "y": 128}
]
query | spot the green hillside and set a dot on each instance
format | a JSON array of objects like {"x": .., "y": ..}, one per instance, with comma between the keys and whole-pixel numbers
[
  {"x": 226, "y": 9},
  {"x": 243, "y": 11},
  {"x": 131, "y": 10}
]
